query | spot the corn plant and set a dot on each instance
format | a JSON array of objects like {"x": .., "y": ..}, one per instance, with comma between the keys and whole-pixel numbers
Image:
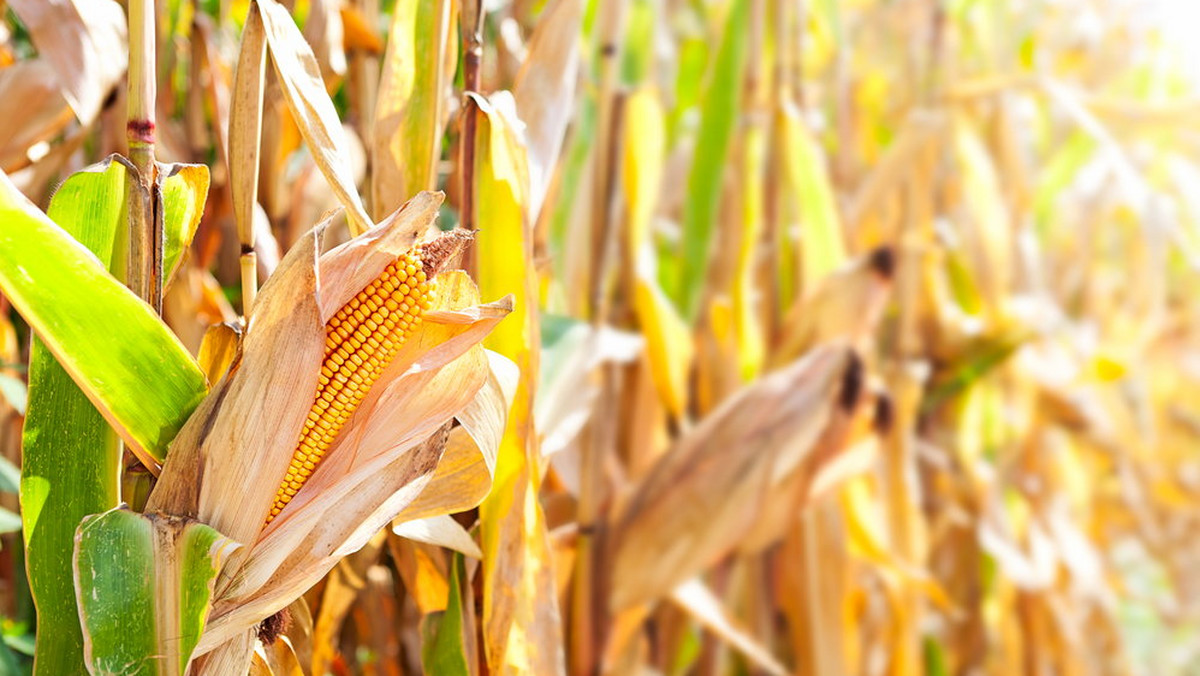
[{"x": 580, "y": 337}]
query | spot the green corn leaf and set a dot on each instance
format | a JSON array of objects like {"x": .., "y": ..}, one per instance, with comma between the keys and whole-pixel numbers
[
  {"x": 443, "y": 649},
  {"x": 718, "y": 118},
  {"x": 133, "y": 369},
  {"x": 72, "y": 456},
  {"x": 144, "y": 584},
  {"x": 9, "y": 664},
  {"x": 71, "y": 462},
  {"x": 184, "y": 191}
]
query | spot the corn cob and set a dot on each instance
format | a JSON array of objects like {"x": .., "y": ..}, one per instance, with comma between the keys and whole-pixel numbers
[{"x": 361, "y": 339}]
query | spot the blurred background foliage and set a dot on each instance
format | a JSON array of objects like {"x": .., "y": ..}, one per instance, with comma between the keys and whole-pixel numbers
[{"x": 994, "y": 205}]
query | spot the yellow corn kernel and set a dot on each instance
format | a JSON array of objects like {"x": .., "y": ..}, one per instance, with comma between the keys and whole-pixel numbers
[{"x": 360, "y": 341}]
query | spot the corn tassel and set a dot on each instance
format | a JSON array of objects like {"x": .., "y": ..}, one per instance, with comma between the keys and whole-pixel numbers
[{"x": 361, "y": 339}]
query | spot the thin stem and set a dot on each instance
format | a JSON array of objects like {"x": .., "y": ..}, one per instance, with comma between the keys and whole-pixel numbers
[
  {"x": 471, "y": 33},
  {"x": 588, "y": 622},
  {"x": 144, "y": 269},
  {"x": 245, "y": 144}
]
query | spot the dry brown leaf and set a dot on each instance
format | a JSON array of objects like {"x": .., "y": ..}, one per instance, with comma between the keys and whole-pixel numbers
[
  {"x": 846, "y": 305},
  {"x": 245, "y": 126},
  {"x": 697, "y": 503},
  {"x": 545, "y": 92},
  {"x": 441, "y": 530},
  {"x": 84, "y": 43},
  {"x": 699, "y": 601},
  {"x": 38, "y": 180},
  {"x": 32, "y": 112},
  {"x": 325, "y": 34},
  {"x": 918, "y": 132},
  {"x": 566, "y": 396},
  {"x": 304, "y": 91},
  {"x": 342, "y": 587},
  {"x": 218, "y": 349},
  {"x": 424, "y": 570}
]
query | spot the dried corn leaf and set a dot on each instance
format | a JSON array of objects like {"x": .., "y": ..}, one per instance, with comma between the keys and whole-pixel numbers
[
  {"x": 245, "y": 126},
  {"x": 304, "y": 92},
  {"x": 84, "y": 44},
  {"x": 32, "y": 112},
  {"x": 699, "y": 500},
  {"x": 699, "y": 601},
  {"x": 545, "y": 92},
  {"x": 442, "y": 531},
  {"x": 845, "y": 305}
]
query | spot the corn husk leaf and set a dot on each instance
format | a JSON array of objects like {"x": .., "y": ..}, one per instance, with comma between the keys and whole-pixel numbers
[
  {"x": 378, "y": 465},
  {"x": 464, "y": 475},
  {"x": 844, "y": 305}
]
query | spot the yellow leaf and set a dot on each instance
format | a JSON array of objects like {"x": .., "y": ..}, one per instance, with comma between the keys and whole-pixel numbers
[
  {"x": 521, "y": 627},
  {"x": 747, "y": 326},
  {"x": 822, "y": 246},
  {"x": 668, "y": 343},
  {"x": 406, "y": 140},
  {"x": 645, "y": 149}
]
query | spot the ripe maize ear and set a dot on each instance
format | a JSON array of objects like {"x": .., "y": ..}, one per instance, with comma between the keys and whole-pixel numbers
[{"x": 361, "y": 339}]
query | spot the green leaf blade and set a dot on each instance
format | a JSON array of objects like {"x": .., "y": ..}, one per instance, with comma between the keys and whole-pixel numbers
[
  {"x": 144, "y": 584},
  {"x": 718, "y": 120},
  {"x": 71, "y": 457},
  {"x": 184, "y": 192},
  {"x": 128, "y": 362},
  {"x": 443, "y": 649}
]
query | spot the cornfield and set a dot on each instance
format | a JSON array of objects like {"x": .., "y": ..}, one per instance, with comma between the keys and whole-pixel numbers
[{"x": 581, "y": 337}]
